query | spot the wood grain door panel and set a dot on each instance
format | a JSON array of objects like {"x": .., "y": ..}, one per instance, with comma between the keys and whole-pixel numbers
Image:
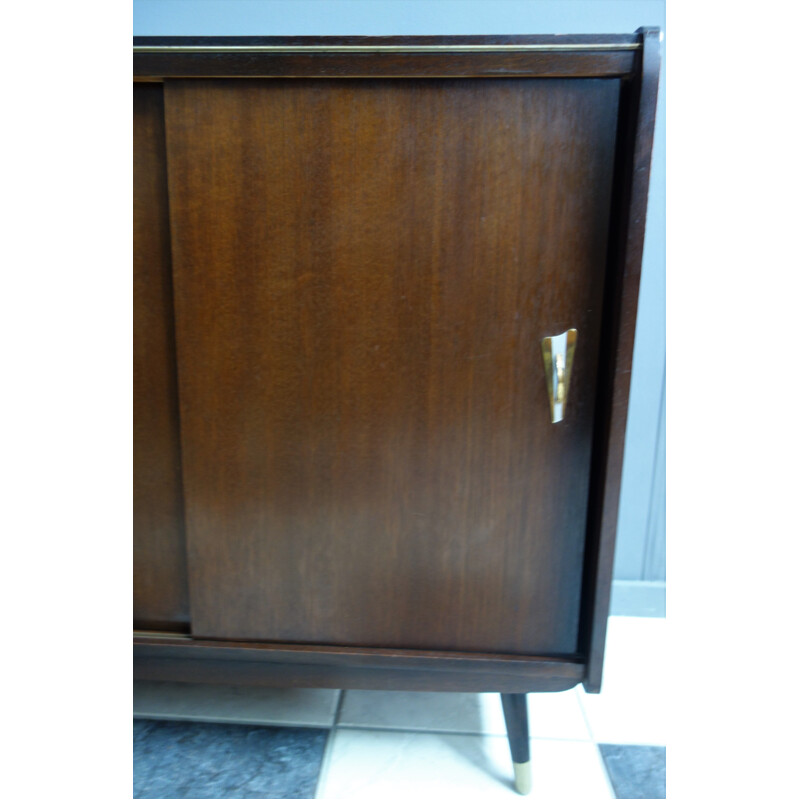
[
  {"x": 160, "y": 588},
  {"x": 364, "y": 270}
]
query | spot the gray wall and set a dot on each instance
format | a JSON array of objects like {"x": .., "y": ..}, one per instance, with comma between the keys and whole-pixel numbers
[{"x": 640, "y": 549}]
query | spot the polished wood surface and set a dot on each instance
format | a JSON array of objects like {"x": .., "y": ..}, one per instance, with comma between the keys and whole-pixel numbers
[
  {"x": 187, "y": 659},
  {"x": 567, "y": 56},
  {"x": 281, "y": 664},
  {"x": 629, "y": 213},
  {"x": 364, "y": 271},
  {"x": 160, "y": 591}
]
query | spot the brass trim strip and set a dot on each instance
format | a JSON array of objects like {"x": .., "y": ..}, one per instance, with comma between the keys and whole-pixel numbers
[
  {"x": 161, "y": 635},
  {"x": 351, "y": 48}
]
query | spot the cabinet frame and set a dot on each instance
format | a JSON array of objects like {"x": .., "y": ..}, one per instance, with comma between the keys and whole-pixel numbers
[{"x": 634, "y": 60}]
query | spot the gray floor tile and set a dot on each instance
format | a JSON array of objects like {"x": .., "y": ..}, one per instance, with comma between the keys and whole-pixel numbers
[
  {"x": 636, "y": 771},
  {"x": 254, "y": 705},
  {"x": 555, "y": 715},
  {"x": 203, "y": 760}
]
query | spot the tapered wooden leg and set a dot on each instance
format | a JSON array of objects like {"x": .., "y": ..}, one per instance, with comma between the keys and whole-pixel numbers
[{"x": 515, "y": 709}]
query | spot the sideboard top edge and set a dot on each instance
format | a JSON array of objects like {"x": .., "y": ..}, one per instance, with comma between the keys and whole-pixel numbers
[
  {"x": 388, "y": 44},
  {"x": 378, "y": 49},
  {"x": 387, "y": 56}
]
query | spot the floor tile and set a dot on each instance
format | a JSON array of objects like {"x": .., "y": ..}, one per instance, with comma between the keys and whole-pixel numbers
[
  {"x": 423, "y": 711},
  {"x": 636, "y": 771},
  {"x": 632, "y": 705},
  {"x": 202, "y": 760},
  {"x": 211, "y": 703},
  {"x": 555, "y": 715},
  {"x": 389, "y": 764}
]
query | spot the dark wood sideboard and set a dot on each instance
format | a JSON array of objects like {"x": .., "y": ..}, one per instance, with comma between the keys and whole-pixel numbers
[{"x": 385, "y": 294}]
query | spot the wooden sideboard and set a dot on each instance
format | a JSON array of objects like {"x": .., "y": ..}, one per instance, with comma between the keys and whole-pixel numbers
[{"x": 385, "y": 295}]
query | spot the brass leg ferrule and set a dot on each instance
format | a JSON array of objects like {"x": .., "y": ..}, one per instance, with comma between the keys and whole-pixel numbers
[{"x": 522, "y": 777}]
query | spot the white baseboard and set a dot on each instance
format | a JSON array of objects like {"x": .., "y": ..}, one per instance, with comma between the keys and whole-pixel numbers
[{"x": 638, "y": 598}]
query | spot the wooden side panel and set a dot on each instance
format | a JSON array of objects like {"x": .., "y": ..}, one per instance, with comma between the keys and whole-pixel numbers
[
  {"x": 635, "y": 147},
  {"x": 364, "y": 271},
  {"x": 160, "y": 589}
]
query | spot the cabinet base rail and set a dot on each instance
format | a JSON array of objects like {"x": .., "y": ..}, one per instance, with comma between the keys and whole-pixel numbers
[{"x": 180, "y": 658}]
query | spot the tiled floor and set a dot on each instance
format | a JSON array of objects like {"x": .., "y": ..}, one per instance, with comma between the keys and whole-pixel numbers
[{"x": 355, "y": 744}]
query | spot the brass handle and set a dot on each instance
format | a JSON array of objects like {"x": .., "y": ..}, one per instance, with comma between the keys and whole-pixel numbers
[
  {"x": 561, "y": 389},
  {"x": 558, "y": 352}
]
